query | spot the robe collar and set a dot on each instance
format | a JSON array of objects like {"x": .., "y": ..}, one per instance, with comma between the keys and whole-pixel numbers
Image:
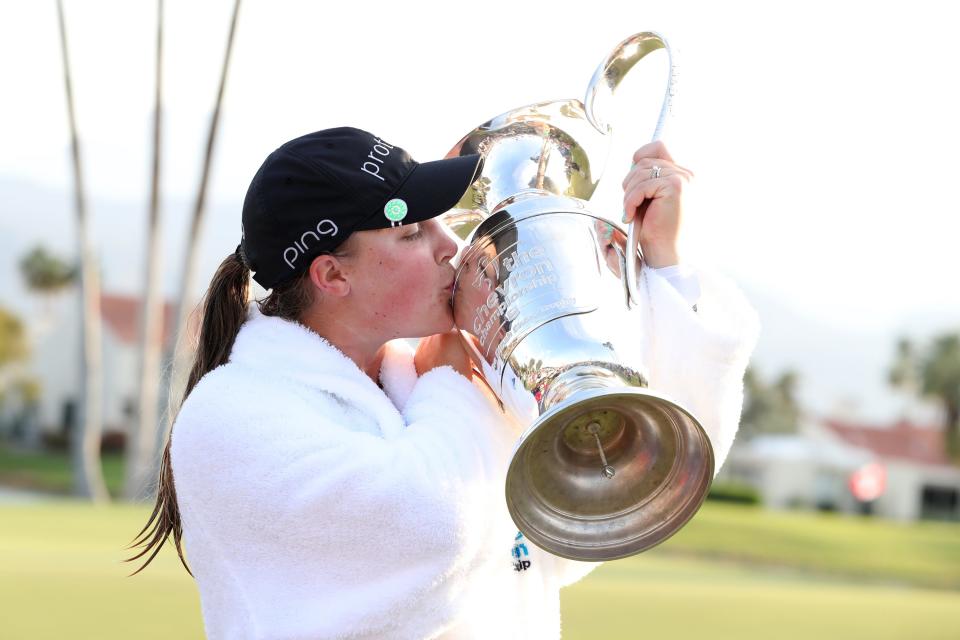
[{"x": 287, "y": 350}]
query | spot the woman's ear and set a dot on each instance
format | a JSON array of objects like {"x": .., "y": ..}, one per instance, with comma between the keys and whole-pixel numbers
[{"x": 327, "y": 275}]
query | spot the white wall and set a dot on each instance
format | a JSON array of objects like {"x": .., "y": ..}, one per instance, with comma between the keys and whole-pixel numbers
[{"x": 55, "y": 361}]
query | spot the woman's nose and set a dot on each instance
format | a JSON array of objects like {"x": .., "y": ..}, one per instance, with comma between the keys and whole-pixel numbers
[{"x": 448, "y": 244}]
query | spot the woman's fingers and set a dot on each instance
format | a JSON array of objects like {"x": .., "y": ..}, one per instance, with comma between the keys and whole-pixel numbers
[
  {"x": 654, "y": 183},
  {"x": 633, "y": 198},
  {"x": 442, "y": 349},
  {"x": 655, "y": 149},
  {"x": 649, "y": 163},
  {"x": 662, "y": 187},
  {"x": 643, "y": 170}
]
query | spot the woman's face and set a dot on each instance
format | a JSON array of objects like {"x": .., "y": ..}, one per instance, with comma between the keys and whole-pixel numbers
[{"x": 402, "y": 278}]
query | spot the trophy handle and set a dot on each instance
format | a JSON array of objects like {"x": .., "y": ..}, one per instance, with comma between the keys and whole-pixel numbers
[
  {"x": 600, "y": 91},
  {"x": 634, "y": 262},
  {"x": 612, "y": 71}
]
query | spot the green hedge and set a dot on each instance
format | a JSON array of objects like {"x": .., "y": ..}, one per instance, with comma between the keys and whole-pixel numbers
[
  {"x": 733, "y": 492},
  {"x": 50, "y": 471}
]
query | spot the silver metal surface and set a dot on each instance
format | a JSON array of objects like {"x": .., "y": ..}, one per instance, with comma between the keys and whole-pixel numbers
[{"x": 542, "y": 298}]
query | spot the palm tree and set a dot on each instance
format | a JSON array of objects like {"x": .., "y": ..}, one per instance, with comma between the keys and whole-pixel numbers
[
  {"x": 186, "y": 294},
  {"x": 47, "y": 275},
  {"x": 141, "y": 444},
  {"x": 16, "y": 389},
  {"x": 45, "y": 272},
  {"x": 769, "y": 407},
  {"x": 13, "y": 343},
  {"x": 933, "y": 373},
  {"x": 85, "y": 440}
]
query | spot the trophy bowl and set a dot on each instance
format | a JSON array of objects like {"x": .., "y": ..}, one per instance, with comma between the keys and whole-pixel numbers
[{"x": 607, "y": 467}]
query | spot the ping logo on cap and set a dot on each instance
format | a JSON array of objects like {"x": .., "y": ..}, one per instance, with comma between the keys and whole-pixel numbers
[
  {"x": 395, "y": 210},
  {"x": 299, "y": 247}
]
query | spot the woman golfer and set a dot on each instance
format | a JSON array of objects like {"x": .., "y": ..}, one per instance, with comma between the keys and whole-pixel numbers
[{"x": 329, "y": 482}]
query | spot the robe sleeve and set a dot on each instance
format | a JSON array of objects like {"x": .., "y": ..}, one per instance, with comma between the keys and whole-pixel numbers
[{"x": 698, "y": 358}]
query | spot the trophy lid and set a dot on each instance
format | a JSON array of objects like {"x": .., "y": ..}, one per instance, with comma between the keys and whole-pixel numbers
[
  {"x": 550, "y": 146},
  {"x": 559, "y": 147}
]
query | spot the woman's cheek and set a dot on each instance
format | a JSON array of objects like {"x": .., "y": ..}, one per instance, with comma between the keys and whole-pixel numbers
[{"x": 402, "y": 288}]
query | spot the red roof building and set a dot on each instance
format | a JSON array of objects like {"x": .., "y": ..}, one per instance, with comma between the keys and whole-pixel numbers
[
  {"x": 122, "y": 315},
  {"x": 902, "y": 440}
]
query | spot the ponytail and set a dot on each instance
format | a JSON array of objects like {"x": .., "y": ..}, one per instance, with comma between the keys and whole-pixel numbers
[{"x": 224, "y": 311}]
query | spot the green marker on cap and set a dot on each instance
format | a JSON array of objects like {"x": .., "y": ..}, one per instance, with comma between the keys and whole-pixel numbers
[{"x": 395, "y": 210}]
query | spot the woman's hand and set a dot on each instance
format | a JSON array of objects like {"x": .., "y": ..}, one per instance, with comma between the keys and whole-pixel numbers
[
  {"x": 660, "y": 197},
  {"x": 440, "y": 349}
]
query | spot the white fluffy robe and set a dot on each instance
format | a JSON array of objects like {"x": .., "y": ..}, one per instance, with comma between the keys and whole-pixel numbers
[{"x": 314, "y": 505}]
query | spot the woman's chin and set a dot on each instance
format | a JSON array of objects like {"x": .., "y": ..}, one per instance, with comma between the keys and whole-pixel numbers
[{"x": 443, "y": 324}]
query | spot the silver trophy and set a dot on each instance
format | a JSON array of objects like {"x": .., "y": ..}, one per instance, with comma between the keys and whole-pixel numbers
[{"x": 608, "y": 467}]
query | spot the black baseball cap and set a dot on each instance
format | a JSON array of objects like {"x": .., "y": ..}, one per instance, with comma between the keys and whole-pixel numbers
[{"x": 314, "y": 191}]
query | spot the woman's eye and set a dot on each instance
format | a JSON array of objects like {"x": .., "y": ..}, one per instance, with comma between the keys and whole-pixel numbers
[{"x": 413, "y": 236}]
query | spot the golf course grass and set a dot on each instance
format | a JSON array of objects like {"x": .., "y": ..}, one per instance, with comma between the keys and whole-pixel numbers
[
  {"x": 733, "y": 572},
  {"x": 669, "y": 597}
]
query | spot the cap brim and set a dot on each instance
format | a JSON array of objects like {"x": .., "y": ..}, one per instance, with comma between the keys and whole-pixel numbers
[{"x": 435, "y": 187}]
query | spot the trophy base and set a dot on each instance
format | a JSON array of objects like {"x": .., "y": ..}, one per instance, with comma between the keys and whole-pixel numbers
[{"x": 608, "y": 473}]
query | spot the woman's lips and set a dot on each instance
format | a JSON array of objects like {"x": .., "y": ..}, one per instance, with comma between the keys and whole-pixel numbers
[{"x": 448, "y": 294}]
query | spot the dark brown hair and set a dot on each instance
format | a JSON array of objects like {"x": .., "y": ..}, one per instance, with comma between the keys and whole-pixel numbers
[{"x": 224, "y": 311}]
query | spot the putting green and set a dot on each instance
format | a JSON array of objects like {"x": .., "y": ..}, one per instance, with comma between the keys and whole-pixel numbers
[
  {"x": 668, "y": 597},
  {"x": 61, "y": 575}
]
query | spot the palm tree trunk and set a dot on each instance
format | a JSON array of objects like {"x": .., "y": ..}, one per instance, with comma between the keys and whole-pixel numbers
[
  {"x": 951, "y": 432},
  {"x": 143, "y": 433},
  {"x": 186, "y": 291},
  {"x": 85, "y": 439}
]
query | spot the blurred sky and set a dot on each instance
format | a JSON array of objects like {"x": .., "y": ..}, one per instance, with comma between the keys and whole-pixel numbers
[{"x": 823, "y": 135}]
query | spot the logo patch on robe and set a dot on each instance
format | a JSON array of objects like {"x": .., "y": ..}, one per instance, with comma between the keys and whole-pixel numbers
[{"x": 521, "y": 557}]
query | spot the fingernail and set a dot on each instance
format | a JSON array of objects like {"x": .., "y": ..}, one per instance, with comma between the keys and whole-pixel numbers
[{"x": 624, "y": 216}]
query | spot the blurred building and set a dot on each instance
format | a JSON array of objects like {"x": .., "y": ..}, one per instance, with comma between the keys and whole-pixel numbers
[
  {"x": 55, "y": 363},
  {"x": 899, "y": 471}
]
